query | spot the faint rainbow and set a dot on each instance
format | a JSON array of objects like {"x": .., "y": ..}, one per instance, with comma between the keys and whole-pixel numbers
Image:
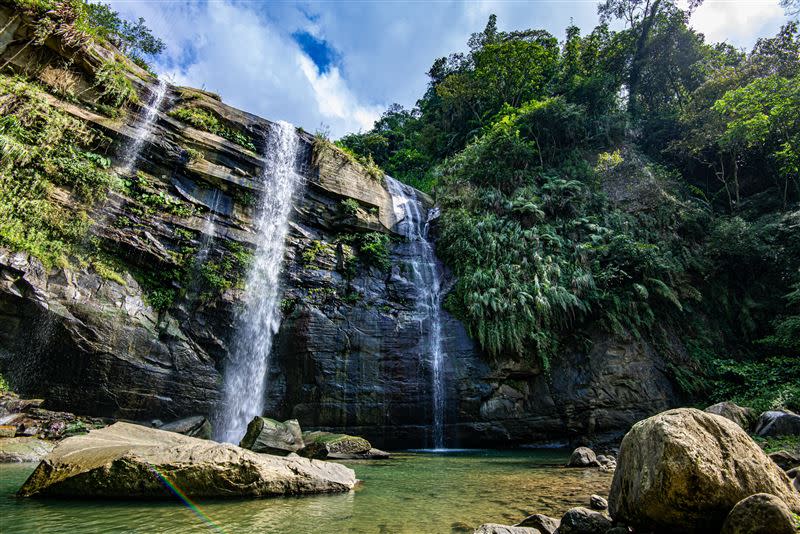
[{"x": 189, "y": 503}]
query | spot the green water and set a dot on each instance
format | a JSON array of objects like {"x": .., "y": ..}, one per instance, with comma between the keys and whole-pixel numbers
[{"x": 411, "y": 493}]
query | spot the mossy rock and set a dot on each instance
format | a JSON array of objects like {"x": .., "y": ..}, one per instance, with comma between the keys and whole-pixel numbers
[{"x": 323, "y": 444}]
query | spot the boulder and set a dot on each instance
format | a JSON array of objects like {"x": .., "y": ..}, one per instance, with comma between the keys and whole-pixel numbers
[
  {"x": 372, "y": 454},
  {"x": 125, "y": 461},
  {"x": 785, "y": 460},
  {"x": 542, "y": 523},
  {"x": 744, "y": 417},
  {"x": 24, "y": 449},
  {"x": 794, "y": 475},
  {"x": 328, "y": 445},
  {"x": 684, "y": 470},
  {"x": 761, "y": 513},
  {"x": 583, "y": 457},
  {"x": 596, "y": 502},
  {"x": 584, "y": 521},
  {"x": 196, "y": 427},
  {"x": 494, "y": 528},
  {"x": 778, "y": 423},
  {"x": 273, "y": 437}
]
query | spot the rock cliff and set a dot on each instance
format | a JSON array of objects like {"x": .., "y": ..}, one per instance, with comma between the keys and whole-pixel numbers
[{"x": 348, "y": 357}]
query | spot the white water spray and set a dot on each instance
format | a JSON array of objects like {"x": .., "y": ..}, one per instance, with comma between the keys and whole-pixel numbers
[
  {"x": 142, "y": 128},
  {"x": 426, "y": 276},
  {"x": 246, "y": 371}
]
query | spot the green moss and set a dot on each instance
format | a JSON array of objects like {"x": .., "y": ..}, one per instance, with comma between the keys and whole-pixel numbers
[
  {"x": 206, "y": 120},
  {"x": 313, "y": 251},
  {"x": 140, "y": 188}
]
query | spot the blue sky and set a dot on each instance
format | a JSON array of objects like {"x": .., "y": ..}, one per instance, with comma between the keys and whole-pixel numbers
[{"x": 340, "y": 64}]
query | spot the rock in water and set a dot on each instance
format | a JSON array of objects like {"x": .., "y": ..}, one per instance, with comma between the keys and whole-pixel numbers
[
  {"x": 583, "y": 521},
  {"x": 778, "y": 423},
  {"x": 196, "y": 427},
  {"x": 273, "y": 437},
  {"x": 22, "y": 450},
  {"x": 542, "y": 523},
  {"x": 744, "y": 417},
  {"x": 339, "y": 446},
  {"x": 760, "y": 514},
  {"x": 683, "y": 470},
  {"x": 583, "y": 457},
  {"x": 131, "y": 461},
  {"x": 494, "y": 528}
]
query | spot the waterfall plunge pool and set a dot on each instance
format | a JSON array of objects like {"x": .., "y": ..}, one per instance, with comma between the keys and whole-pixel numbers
[{"x": 414, "y": 492}]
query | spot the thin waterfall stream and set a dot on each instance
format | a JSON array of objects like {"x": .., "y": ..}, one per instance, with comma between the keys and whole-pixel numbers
[
  {"x": 245, "y": 373},
  {"x": 426, "y": 276},
  {"x": 142, "y": 128}
]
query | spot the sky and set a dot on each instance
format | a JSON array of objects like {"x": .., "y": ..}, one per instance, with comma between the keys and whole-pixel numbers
[{"x": 337, "y": 65}]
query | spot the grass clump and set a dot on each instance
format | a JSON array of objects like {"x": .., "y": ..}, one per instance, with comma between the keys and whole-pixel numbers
[
  {"x": 206, "y": 120},
  {"x": 116, "y": 89}
]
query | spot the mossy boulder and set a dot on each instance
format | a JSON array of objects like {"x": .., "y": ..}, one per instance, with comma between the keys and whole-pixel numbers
[{"x": 328, "y": 445}]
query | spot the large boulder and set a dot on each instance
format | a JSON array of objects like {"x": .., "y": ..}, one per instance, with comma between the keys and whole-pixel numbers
[
  {"x": 24, "y": 449},
  {"x": 761, "y": 513},
  {"x": 684, "y": 470},
  {"x": 130, "y": 461},
  {"x": 584, "y": 521},
  {"x": 544, "y": 524},
  {"x": 336, "y": 446},
  {"x": 196, "y": 427},
  {"x": 786, "y": 460},
  {"x": 494, "y": 528},
  {"x": 273, "y": 437},
  {"x": 583, "y": 457},
  {"x": 778, "y": 423},
  {"x": 744, "y": 417}
]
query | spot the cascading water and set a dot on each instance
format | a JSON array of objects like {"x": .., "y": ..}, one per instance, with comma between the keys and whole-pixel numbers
[
  {"x": 142, "y": 128},
  {"x": 246, "y": 371},
  {"x": 426, "y": 276}
]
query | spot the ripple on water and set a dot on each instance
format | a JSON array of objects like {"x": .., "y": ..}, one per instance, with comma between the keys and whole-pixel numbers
[{"x": 413, "y": 492}]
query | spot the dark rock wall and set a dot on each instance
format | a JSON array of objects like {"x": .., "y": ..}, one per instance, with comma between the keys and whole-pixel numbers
[{"x": 349, "y": 355}]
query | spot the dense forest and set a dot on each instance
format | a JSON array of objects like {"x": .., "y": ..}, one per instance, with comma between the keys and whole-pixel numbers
[{"x": 638, "y": 180}]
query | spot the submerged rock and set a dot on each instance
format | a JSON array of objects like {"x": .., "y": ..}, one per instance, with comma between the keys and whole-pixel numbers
[
  {"x": 196, "y": 427},
  {"x": 683, "y": 470},
  {"x": 273, "y": 437},
  {"x": 340, "y": 446},
  {"x": 131, "y": 461},
  {"x": 583, "y": 457},
  {"x": 744, "y": 417},
  {"x": 584, "y": 521},
  {"x": 494, "y": 528},
  {"x": 542, "y": 523},
  {"x": 778, "y": 423},
  {"x": 596, "y": 502},
  {"x": 760, "y": 514},
  {"x": 24, "y": 449}
]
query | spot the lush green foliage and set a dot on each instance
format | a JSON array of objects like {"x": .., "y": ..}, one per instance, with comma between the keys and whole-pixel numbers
[
  {"x": 638, "y": 180},
  {"x": 204, "y": 119}
]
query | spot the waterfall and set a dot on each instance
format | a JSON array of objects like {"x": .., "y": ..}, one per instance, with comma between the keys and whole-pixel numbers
[
  {"x": 246, "y": 372},
  {"x": 426, "y": 276},
  {"x": 142, "y": 128}
]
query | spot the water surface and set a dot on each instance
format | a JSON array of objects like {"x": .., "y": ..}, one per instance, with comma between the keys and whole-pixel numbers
[{"x": 415, "y": 492}]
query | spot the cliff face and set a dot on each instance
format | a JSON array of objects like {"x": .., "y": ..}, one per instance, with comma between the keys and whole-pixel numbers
[{"x": 349, "y": 354}]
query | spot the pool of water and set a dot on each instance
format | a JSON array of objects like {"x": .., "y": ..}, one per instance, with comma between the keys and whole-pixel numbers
[{"x": 414, "y": 492}]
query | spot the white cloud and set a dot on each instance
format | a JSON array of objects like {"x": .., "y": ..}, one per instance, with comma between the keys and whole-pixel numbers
[{"x": 738, "y": 22}]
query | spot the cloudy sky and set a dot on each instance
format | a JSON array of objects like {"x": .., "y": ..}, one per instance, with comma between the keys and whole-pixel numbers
[{"x": 341, "y": 63}]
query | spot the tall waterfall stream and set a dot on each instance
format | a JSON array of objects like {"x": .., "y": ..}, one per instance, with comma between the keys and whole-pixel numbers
[
  {"x": 245, "y": 373},
  {"x": 426, "y": 277}
]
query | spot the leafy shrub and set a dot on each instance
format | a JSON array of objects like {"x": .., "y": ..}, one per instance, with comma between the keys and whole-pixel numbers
[
  {"x": 115, "y": 87},
  {"x": 349, "y": 207}
]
